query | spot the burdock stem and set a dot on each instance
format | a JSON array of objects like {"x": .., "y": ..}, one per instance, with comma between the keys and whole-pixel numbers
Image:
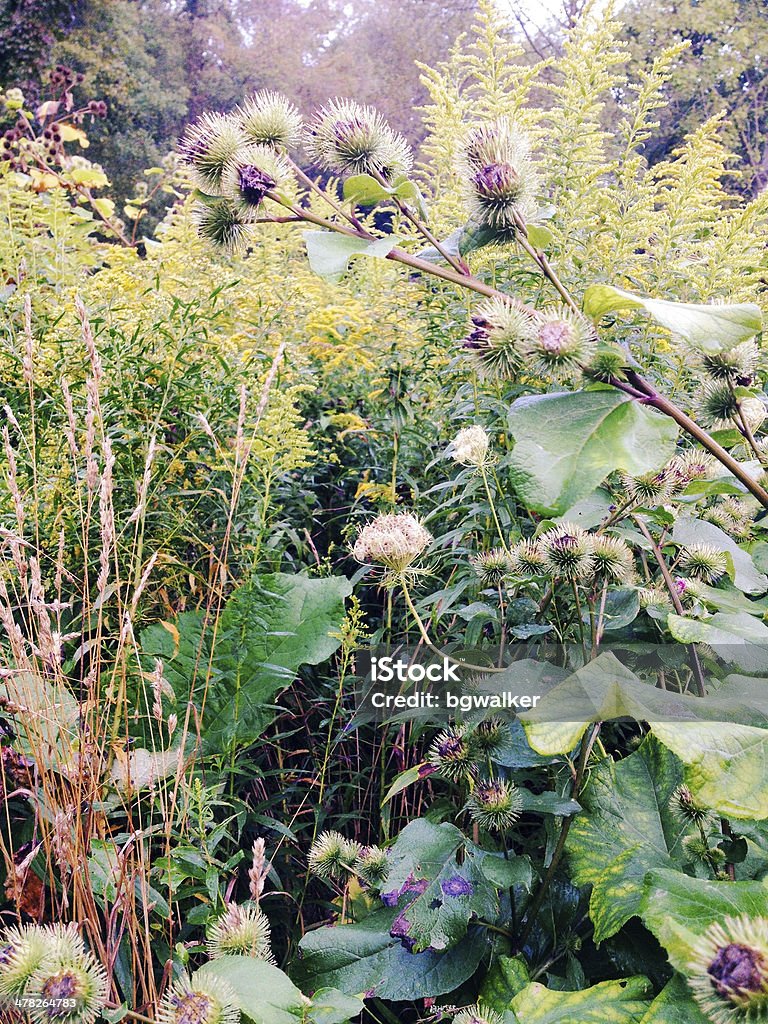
[{"x": 637, "y": 387}]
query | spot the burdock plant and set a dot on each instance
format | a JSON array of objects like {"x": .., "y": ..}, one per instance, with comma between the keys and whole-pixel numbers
[
  {"x": 728, "y": 970},
  {"x": 562, "y": 343},
  {"x": 209, "y": 1000},
  {"x": 499, "y": 340},
  {"x": 242, "y": 930},
  {"x": 269, "y": 119},
  {"x": 499, "y": 176},
  {"x": 494, "y": 804},
  {"x": 349, "y": 138},
  {"x": 69, "y": 990}
]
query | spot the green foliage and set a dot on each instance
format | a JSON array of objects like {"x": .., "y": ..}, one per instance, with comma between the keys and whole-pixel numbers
[
  {"x": 268, "y": 628},
  {"x": 627, "y": 829},
  {"x": 565, "y": 445}
]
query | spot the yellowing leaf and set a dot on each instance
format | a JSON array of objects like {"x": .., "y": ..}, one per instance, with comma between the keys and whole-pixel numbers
[
  {"x": 91, "y": 177},
  {"x": 104, "y": 206},
  {"x": 71, "y": 134}
]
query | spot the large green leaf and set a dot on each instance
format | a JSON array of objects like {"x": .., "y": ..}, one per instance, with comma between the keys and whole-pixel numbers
[
  {"x": 364, "y": 959},
  {"x": 625, "y": 830},
  {"x": 265, "y": 994},
  {"x": 611, "y": 1002},
  {"x": 329, "y": 253},
  {"x": 507, "y": 976},
  {"x": 725, "y": 764},
  {"x": 269, "y": 628},
  {"x": 709, "y": 327},
  {"x": 689, "y": 530},
  {"x": 674, "y": 1005},
  {"x": 329, "y": 1006},
  {"x": 678, "y": 909},
  {"x": 739, "y": 639},
  {"x": 47, "y": 723},
  {"x": 567, "y": 444},
  {"x": 437, "y": 896},
  {"x": 722, "y": 740}
]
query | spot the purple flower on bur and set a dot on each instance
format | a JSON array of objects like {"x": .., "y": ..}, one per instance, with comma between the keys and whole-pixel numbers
[
  {"x": 254, "y": 184},
  {"x": 457, "y": 886}
]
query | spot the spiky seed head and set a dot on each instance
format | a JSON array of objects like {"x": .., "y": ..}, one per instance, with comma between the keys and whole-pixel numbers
[
  {"x": 563, "y": 341},
  {"x": 607, "y": 361},
  {"x": 373, "y": 866},
  {"x": 688, "y": 590},
  {"x": 499, "y": 177},
  {"x": 728, "y": 970},
  {"x": 22, "y": 951},
  {"x": 717, "y": 515},
  {"x": 529, "y": 558},
  {"x": 206, "y": 1000},
  {"x": 736, "y": 364},
  {"x": 741, "y": 517},
  {"x": 720, "y": 408},
  {"x": 704, "y": 562},
  {"x": 242, "y": 930},
  {"x": 650, "y": 488},
  {"x": 208, "y": 146},
  {"x": 490, "y": 734},
  {"x": 394, "y": 541},
  {"x": 470, "y": 447},
  {"x": 693, "y": 464},
  {"x": 331, "y": 854},
  {"x": 349, "y": 138},
  {"x": 753, "y": 412},
  {"x": 495, "y": 804},
  {"x": 493, "y": 567},
  {"x": 568, "y": 552},
  {"x": 223, "y": 224},
  {"x": 255, "y": 171},
  {"x": 653, "y": 597},
  {"x": 695, "y": 848},
  {"x": 499, "y": 339},
  {"x": 270, "y": 119},
  {"x": 687, "y": 810},
  {"x": 80, "y": 980},
  {"x": 613, "y": 559},
  {"x": 478, "y": 1014},
  {"x": 452, "y": 755}
]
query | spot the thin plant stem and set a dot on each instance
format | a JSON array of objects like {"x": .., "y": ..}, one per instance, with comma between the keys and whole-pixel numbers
[{"x": 578, "y": 783}]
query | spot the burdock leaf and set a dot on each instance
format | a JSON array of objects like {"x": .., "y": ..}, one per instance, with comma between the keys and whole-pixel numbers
[
  {"x": 678, "y": 909},
  {"x": 674, "y": 1005},
  {"x": 436, "y": 895},
  {"x": 566, "y": 444},
  {"x": 711, "y": 328},
  {"x": 618, "y": 1002},
  {"x": 329, "y": 253},
  {"x": 264, "y": 993},
  {"x": 625, "y": 830},
  {"x": 365, "y": 958}
]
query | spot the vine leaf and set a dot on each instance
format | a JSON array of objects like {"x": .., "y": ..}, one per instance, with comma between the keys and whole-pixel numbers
[{"x": 566, "y": 444}]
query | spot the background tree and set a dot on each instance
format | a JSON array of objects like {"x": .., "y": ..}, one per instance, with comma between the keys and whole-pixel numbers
[{"x": 725, "y": 68}]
